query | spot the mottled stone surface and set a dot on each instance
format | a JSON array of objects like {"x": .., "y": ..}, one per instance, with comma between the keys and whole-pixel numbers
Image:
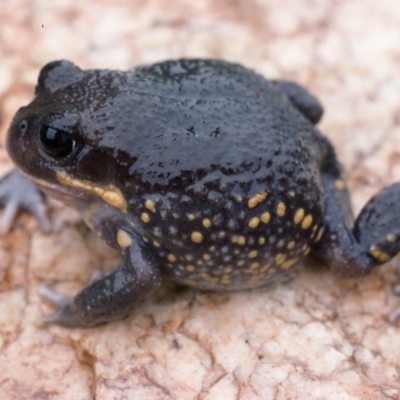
[{"x": 318, "y": 336}]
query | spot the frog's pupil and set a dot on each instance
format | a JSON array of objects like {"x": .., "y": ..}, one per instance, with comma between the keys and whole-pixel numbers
[{"x": 54, "y": 141}]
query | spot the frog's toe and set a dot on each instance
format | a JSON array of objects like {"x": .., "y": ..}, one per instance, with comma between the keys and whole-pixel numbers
[
  {"x": 395, "y": 315},
  {"x": 18, "y": 192},
  {"x": 64, "y": 304}
]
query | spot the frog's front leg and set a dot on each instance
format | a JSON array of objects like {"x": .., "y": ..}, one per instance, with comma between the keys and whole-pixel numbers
[{"x": 113, "y": 294}]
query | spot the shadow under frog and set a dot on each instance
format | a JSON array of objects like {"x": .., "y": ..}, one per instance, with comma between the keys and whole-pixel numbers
[{"x": 200, "y": 170}]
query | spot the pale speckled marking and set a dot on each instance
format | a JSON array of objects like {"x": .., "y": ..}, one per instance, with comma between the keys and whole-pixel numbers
[
  {"x": 391, "y": 238},
  {"x": 191, "y": 217},
  {"x": 190, "y": 268},
  {"x": 257, "y": 199},
  {"x": 254, "y": 265},
  {"x": 298, "y": 216},
  {"x": 291, "y": 245},
  {"x": 156, "y": 244},
  {"x": 238, "y": 199},
  {"x": 289, "y": 263},
  {"x": 240, "y": 263},
  {"x": 265, "y": 217},
  {"x": 280, "y": 258},
  {"x": 123, "y": 239},
  {"x": 379, "y": 255},
  {"x": 253, "y": 254},
  {"x": 254, "y": 222},
  {"x": 150, "y": 205},
  {"x": 320, "y": 233},
  {"x": 206, "y": 257},
  {"x": 281, "y": 209},
  {"x": 196, "y": 237},
  {"x": 145, "y": 217},
  {"x": 171, "y": 257},
  {"x": 307, "y": 221},
  {"x": 261, "y": 240},
  {"x": 206, "y": 223}
]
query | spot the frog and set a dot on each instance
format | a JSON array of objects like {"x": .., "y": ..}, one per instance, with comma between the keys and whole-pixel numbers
[{"x": 201, "y": 171}]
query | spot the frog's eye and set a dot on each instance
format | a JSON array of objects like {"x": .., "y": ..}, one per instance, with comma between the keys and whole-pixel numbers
[{"x": 55, "y": 142}]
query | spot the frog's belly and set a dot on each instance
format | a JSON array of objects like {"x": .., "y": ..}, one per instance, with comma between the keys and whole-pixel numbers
[{"x": 240, "y": 250}]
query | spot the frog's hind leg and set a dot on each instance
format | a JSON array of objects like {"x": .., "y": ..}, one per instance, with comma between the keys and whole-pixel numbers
[
  {"x": 354, "y": 249},
  {"x": 112, "y": 295},
  {"x": 303, "y": 101}
]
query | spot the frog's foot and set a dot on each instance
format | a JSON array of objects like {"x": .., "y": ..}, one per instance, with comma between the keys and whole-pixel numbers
[
  {"x": 395, "y": 315},
  {"x": 63, "y": 303},
  {"x": 306, "y": 103},
  {"x": 18, "y": 192},
  {"x": 110, "y": 296}
]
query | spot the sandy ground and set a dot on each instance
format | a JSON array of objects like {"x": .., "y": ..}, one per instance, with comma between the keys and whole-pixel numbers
[{"x": 317, "y": 337}]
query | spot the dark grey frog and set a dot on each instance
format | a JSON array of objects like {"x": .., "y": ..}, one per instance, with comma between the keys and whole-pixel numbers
[{"x": 199, "y": 170}]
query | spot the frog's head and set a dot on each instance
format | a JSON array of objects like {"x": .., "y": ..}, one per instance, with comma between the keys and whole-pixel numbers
[{"x": 55, "y": 140}]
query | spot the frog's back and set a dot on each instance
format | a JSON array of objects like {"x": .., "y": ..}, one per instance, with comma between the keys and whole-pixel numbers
[{"x": 201, "y": 116}]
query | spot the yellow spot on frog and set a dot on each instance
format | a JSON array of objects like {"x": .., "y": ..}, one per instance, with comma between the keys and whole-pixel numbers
[
  {"x": 289, "y": 263},
  {"x": 240, "y": 263},
  {"x": 150, "y": 205},
  {"x": 292, "y": 193},
  {"x": 280, "y": 258},
  {"x": 320, "y": 233},
  {"x": 109, "y": 193},
  {"x": 257, "y": 199},
  {"x": 226, "y": 280},
  {"x": 281, "y": 209},
  {"x": 196, "y": 237},
  {"x": 253, "y": 223},
  {"x": 261, "y": 240},
  {"x": 145, "y": 217},
  {"x": 306, "y": 250},
  {"x": 145, "y": 239},
  {"x": 191, "y": 217},
  {"x": 254, "y": 265},
  {"x": 379, "y": 255},
  {"x": 298, "y": 216},
  {"x": 307, "y": 221},
  {"x": 190, "y": 268},
  {"x": 227, "y": 270},
  {"x": 206, "y": 257},
  {"x": 206, "y": 223},
  {"x": 156, "y": 244},
  {"x": 171, "y": 257},
  {"x": 123, "y": 239},
  {"x": 340, "y": 185},
  {"x": 241, "y": 240},
  {"x": 253, "y": 254},
  {"x": 265, "y": 217},
  {"x": 291, "y": 245}
]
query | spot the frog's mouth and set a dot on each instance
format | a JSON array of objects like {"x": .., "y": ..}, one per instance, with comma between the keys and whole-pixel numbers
[{"x": 108, "y": 193}]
